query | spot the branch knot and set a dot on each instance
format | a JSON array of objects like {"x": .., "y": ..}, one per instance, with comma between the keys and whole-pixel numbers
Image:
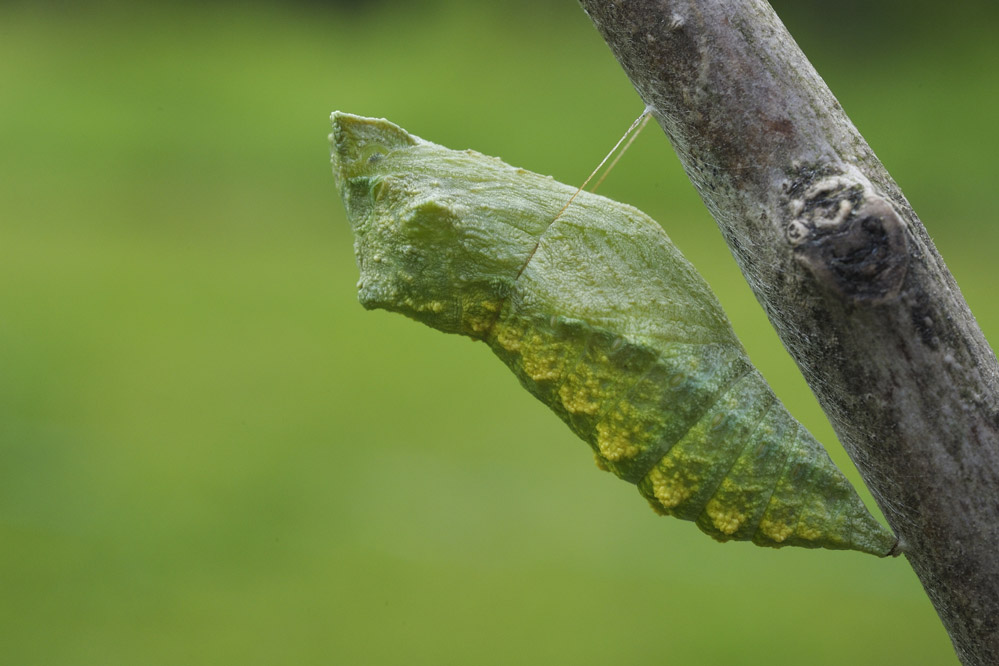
[{"x": 850, "y": 238}]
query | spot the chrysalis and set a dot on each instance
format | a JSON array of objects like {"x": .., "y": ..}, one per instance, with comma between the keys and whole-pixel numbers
[{"x": 601, "y": 318}]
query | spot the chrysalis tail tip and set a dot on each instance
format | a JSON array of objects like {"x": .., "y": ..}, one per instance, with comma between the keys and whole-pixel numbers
[{"x": 896, "y": 550}]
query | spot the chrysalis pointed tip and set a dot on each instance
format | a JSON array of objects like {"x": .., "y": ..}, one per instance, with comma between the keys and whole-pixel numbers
[
  {"x": 348, "y": 127},
  {"x": 358, "y": 142}
]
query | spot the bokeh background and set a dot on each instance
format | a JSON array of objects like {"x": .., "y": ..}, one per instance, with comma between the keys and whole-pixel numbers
[{"x": 211, "y": 454}]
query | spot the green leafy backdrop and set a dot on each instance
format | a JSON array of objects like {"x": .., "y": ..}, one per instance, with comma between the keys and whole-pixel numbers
[{"x": 209, "y": 453}]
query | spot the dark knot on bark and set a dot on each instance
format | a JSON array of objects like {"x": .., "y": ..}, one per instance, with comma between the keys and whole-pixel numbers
[{"x": 851, "y": 239}]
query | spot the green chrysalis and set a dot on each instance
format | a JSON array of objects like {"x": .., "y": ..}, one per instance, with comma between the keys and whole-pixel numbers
[{"x": 599, "y": 316}]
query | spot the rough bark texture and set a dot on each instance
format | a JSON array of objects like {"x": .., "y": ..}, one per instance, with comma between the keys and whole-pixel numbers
[{"x": 847, "y": 275}]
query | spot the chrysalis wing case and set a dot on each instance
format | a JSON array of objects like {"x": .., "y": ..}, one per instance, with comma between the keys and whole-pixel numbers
[{"x": 599, "y": 316}]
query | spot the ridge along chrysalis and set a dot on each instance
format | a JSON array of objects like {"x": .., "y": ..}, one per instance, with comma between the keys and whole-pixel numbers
[{"x": 601, "y": 318}]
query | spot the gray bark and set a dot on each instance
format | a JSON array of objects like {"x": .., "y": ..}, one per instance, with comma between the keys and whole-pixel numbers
[{"x": 847, "y": 275}]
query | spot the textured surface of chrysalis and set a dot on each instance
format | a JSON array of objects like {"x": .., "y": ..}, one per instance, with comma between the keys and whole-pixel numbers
[{"x": 602, "y": 319}]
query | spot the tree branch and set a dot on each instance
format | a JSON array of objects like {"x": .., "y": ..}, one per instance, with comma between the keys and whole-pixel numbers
[{"x": 847, "y": 275}]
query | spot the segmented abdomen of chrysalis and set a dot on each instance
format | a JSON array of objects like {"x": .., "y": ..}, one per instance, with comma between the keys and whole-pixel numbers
[{"x": 601, "y": 318}]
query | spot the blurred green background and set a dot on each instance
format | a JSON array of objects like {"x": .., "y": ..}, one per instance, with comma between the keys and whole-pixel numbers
[{"x": 209, "y": 453}]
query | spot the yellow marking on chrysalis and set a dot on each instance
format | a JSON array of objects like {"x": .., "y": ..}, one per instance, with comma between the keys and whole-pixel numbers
[
  {"x": 482, "y": 316},
  {"x": 775, "y": 530},
  {"x": 479, "y": 316},
  {"x": 671, "y": 490},
  {"x": 726, "y": 519},
  {"x": 615, "y": 436},
  {"x": 541, "y": 360},
  {"x": 810, "y": 533},
  {"x": 615, "y": 445},
  {"x": 424, "y": 306},
  {"x": 580, "y": 394},
  {"x": 816, "y": 524},
  {"x": 508, "y": 337},
  {"x": 541, "y": 364}
]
